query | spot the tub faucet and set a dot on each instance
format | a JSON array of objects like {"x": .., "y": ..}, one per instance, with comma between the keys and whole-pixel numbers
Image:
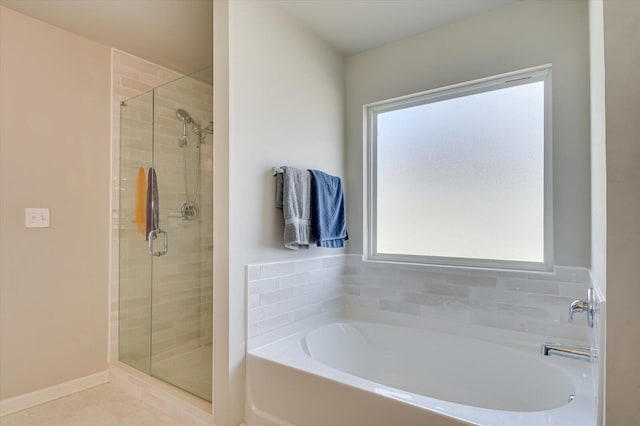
[
  {"x": 582, "y": 353},
  {"x": 587, "y": 306}
]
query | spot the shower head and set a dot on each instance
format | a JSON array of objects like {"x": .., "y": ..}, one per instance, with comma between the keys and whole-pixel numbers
[{"x": 184, "y": 116}]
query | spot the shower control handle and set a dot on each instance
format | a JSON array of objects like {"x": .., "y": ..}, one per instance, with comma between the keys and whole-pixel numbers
[{"x": 154, "y": 233}]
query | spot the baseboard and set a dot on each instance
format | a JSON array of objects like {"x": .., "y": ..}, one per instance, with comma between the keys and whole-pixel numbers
[{"x": 31, "y": 399}]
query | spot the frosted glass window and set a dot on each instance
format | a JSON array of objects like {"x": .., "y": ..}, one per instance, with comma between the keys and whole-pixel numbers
[{"x": 462, "y": 175}]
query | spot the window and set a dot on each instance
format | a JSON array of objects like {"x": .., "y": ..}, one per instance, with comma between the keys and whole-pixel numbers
[{"x": 462, "y": 175}]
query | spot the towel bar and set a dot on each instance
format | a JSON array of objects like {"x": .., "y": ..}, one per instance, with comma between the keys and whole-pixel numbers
[{"x": 277, "y": 170}]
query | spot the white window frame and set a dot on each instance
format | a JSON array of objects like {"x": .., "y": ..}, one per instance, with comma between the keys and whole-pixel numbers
[{"x": 370, "y": 114}]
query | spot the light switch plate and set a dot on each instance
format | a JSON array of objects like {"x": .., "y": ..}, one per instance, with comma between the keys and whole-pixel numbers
[{"x": 37, "y": 217}]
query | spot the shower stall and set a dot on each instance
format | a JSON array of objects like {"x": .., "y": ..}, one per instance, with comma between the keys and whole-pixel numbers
[{"x": 165, "y": 316}]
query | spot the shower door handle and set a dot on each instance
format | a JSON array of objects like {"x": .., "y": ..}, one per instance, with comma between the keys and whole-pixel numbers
[{"x": 165, "y": 247}]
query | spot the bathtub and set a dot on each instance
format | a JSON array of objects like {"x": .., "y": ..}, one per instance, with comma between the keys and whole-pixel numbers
[{"x": 346, "y": 371}]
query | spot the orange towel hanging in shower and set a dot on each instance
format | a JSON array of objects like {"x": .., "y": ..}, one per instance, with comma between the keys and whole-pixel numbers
[{"x": 141, "y": 202}]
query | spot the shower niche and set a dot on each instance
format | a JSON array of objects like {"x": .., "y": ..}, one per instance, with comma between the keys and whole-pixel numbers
[{"x": 165, "y": 315}]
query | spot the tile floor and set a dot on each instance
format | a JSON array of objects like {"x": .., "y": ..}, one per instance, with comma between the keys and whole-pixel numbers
[{"x": 104, "y": 405}]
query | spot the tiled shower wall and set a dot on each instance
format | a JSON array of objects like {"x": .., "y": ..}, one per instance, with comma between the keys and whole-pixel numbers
[
  {"x": 528, "y": 302},
  {"x": 182, "y": 315}
]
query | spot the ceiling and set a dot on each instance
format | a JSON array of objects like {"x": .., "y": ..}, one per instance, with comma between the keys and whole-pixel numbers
[
  {"x": 178, "y": 34},
  {"x": 353, "y": 26}
]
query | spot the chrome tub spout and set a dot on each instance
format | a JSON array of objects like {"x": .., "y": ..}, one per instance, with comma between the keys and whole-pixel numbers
[{"x": 583, "y": 353}]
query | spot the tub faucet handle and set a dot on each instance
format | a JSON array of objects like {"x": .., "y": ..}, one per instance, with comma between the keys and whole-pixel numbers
[
  {"x": 577, "y": 306},
  {"x": 587, "y": 306}
]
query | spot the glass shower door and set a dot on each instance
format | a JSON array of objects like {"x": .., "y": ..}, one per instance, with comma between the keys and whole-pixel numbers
[
  {"x": 166, "y": 288},
  {"x": 181, "y": 318},
  {"x": 135, "y": 265}
]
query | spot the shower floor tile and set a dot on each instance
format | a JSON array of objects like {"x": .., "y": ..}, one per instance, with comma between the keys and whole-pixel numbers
[
  {"x": 103, "y": 405},
  {"x": 190, "y": 371}
]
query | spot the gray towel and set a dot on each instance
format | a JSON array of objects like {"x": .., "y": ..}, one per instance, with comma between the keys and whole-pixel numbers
[
  {"x": 153, "y": 204},
  {"x": 279, "y": 189},
  {"x": 296, "y": 208}
]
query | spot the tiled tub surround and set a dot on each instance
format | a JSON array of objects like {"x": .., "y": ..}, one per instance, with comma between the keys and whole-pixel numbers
[
  {"x": 282, "y": 293},
  {"x": 514, "y": 309},
  {"x": 533, "y": 302}
]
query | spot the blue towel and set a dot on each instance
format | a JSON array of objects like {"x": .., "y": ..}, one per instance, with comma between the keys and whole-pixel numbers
[
  {"x": 153, "y": 205},
  {"x": 329, "y": 224}
]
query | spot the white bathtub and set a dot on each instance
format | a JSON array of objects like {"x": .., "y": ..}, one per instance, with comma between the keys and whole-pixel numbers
[{"x": 349, "y": 372}]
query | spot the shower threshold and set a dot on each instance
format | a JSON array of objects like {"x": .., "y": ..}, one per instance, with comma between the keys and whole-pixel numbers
[{"x": 190, "y": 371}]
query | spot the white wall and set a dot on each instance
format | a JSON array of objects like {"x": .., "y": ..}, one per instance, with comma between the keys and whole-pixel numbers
[
  {"x": 518, "y": 36},
  {"x": 54, "y": 152},
  {"x": 598, "y": 146},
  {"x": 622, "y": 61},
  {"x": 286, "y": 107},
  {"x": 598, "y": 188}
]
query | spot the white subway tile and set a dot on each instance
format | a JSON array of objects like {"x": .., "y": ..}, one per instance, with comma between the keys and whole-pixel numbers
[
  {"x": 353, "y": 259},
  {"x": 353, "y": 269},
  {"x": 497, "y": 320},
  {"x": 407, "y": 285},
  {"x": 498, "y": 295},
  {"x": 308, "y": 265},
  {"x": 307, "y": 311},
  {"x": 263, "y": 312},
  {"x": 334, "y": 262},
  {"x": 276, "y": 322},
  {"x": 263, "y": 286},
  {"x": 379, "y": 269},
  {"x": 295, "y": 303},
  {"x": 269, "y": 270},
  {"x": 353, "y": 289},
  {"x": 332, "y": 304},
  {"x": 470, "y": 280},
  {"x": 401, "y": 307},
  {"x": 295, "y": 279},
  {"x": 275, "y": 296},
  {"x": 530, "y": 286},
  {"x": 363, "y": 301},
  {"x": 523, "y": 311},
  {"x": 424, "y": 299},
  {"x": 468, "y": 303},
  {"x": 446, "y": 313},
  {"x": 305, "y": 289},
  {"x": 253, "y": 272},
  {"x": 318, "y": 275},
  {"x": 356, "y": 279},
  {"x": 573, "y": 290},
  {"x": 447, "y": 290},
  {"x": 415, "y": 274},
  {"x": 381, "y": 293}
]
